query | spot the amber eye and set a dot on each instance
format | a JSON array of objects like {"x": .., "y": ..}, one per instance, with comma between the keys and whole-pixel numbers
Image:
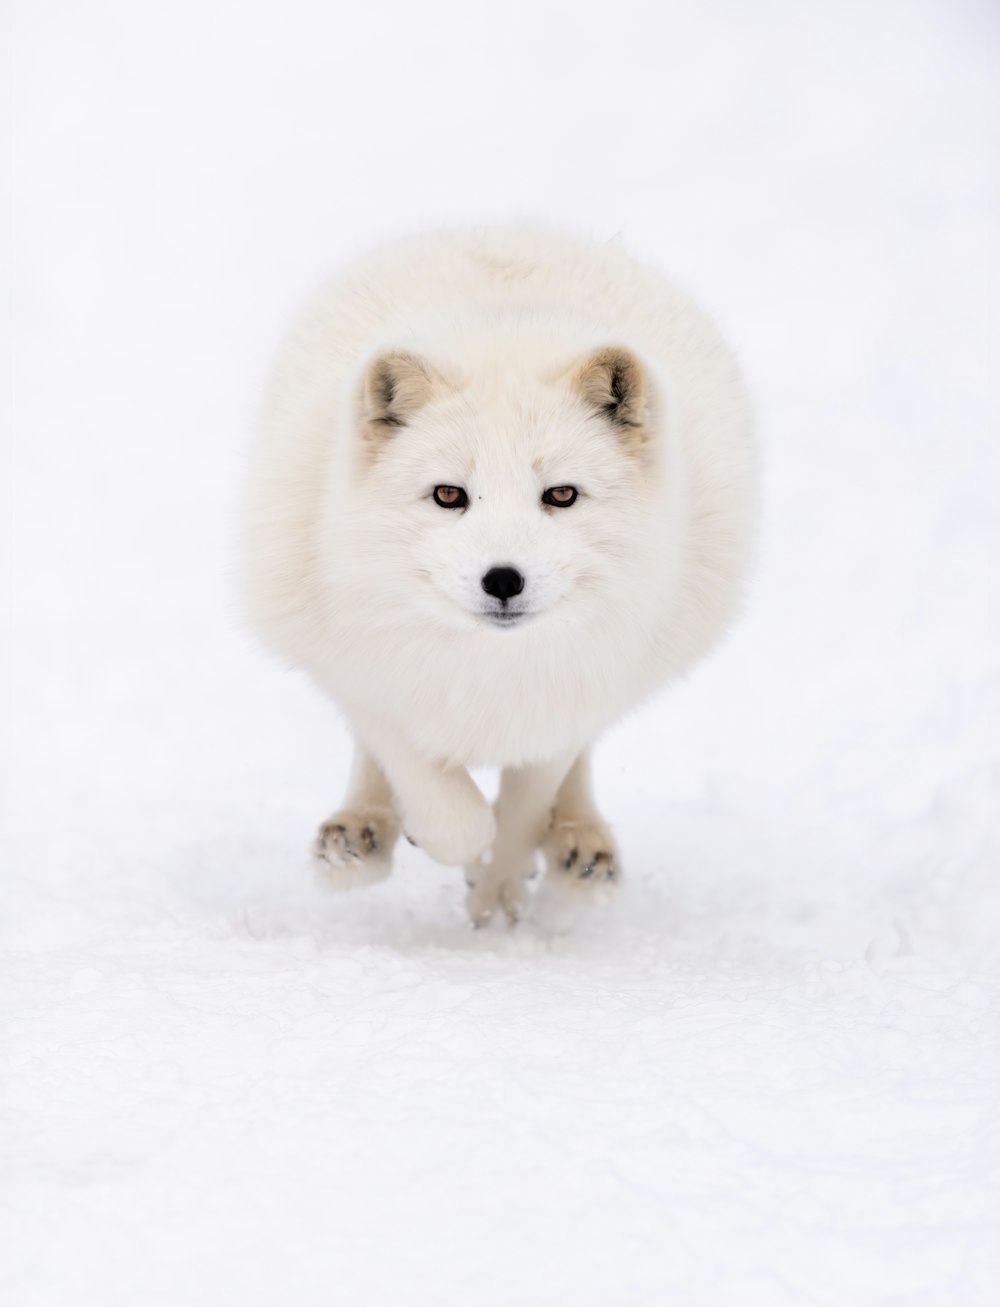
[
  {"x": 450, "y": 496},
  {"x": 560, "y": 496}
]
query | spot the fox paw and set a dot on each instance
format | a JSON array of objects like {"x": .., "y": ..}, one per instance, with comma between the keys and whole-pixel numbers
[
  {"x": 455, "y": 835},
  {"x": 354, "y": 848},
  {"x": 491, "y": 886},
  {"x": 582, "y": 853}
]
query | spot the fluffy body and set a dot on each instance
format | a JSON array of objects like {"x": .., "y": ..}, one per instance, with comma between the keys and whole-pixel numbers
[{"x": 503, "y": 362}]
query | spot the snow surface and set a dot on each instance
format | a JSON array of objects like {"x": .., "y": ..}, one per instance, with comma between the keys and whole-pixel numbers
[{"x": 769, "y": 1075}]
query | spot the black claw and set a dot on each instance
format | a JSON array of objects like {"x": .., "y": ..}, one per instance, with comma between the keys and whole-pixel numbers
[
  {"x": 573, "y": 855},
  {"x": 410, "y": 840},
  {"x": 370, "y": 842}
]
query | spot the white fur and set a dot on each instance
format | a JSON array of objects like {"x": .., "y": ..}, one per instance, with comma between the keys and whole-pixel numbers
[{"x": 354, "y": 573}]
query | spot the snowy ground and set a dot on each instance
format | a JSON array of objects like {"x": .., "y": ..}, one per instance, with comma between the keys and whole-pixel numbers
[{"x": 770, "y": 1075}]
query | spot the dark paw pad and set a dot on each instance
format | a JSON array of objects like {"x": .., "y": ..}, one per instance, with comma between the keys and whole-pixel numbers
[
  {"x": 599, "y": 868},
  {"x": 337, "y": 833}
]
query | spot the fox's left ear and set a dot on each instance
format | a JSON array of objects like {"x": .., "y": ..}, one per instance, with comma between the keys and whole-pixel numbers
[{"x": 611, "y": 380}]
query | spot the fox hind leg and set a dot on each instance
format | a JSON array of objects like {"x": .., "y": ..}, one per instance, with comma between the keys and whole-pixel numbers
[{"x": 523, "y": 811}]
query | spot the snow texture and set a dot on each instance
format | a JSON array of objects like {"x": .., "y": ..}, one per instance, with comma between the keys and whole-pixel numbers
[{"x": 768, "y": 1073}]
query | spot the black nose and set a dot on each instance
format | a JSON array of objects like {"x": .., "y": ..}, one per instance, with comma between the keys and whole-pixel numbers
[{"x": 503, "y": 583}]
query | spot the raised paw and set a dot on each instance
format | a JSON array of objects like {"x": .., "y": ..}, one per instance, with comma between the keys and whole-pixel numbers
[
  {"x": 354, "y": 848},
  {"x": 582, "y": 853},
  {"x": 454, "y": 834}
]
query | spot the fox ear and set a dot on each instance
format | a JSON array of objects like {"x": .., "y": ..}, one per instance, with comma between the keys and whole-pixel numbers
[
  {"x": 611, "y": 380},
  {"x": 397, "y": 384}
]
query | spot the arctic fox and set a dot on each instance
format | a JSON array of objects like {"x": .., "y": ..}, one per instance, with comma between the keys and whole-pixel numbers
[{"x": 501, "y": 490}]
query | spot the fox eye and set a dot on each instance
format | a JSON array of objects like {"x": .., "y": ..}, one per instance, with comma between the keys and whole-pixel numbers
[
  {"x": 450, "y": 496},
  {"x": 560, "y": 496}
]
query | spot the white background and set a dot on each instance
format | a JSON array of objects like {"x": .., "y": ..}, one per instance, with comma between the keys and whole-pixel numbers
[{"x": 770, "y": 1075}]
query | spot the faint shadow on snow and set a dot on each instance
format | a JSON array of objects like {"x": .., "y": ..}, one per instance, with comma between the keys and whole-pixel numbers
[{"x": 270, "y": 896}]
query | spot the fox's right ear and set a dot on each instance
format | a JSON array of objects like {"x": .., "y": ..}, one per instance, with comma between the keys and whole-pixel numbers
[{"x": 397, "y": 384}]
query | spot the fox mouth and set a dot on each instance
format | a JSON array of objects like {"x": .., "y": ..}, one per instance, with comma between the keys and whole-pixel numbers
[{"x": 506, "y": 617}]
